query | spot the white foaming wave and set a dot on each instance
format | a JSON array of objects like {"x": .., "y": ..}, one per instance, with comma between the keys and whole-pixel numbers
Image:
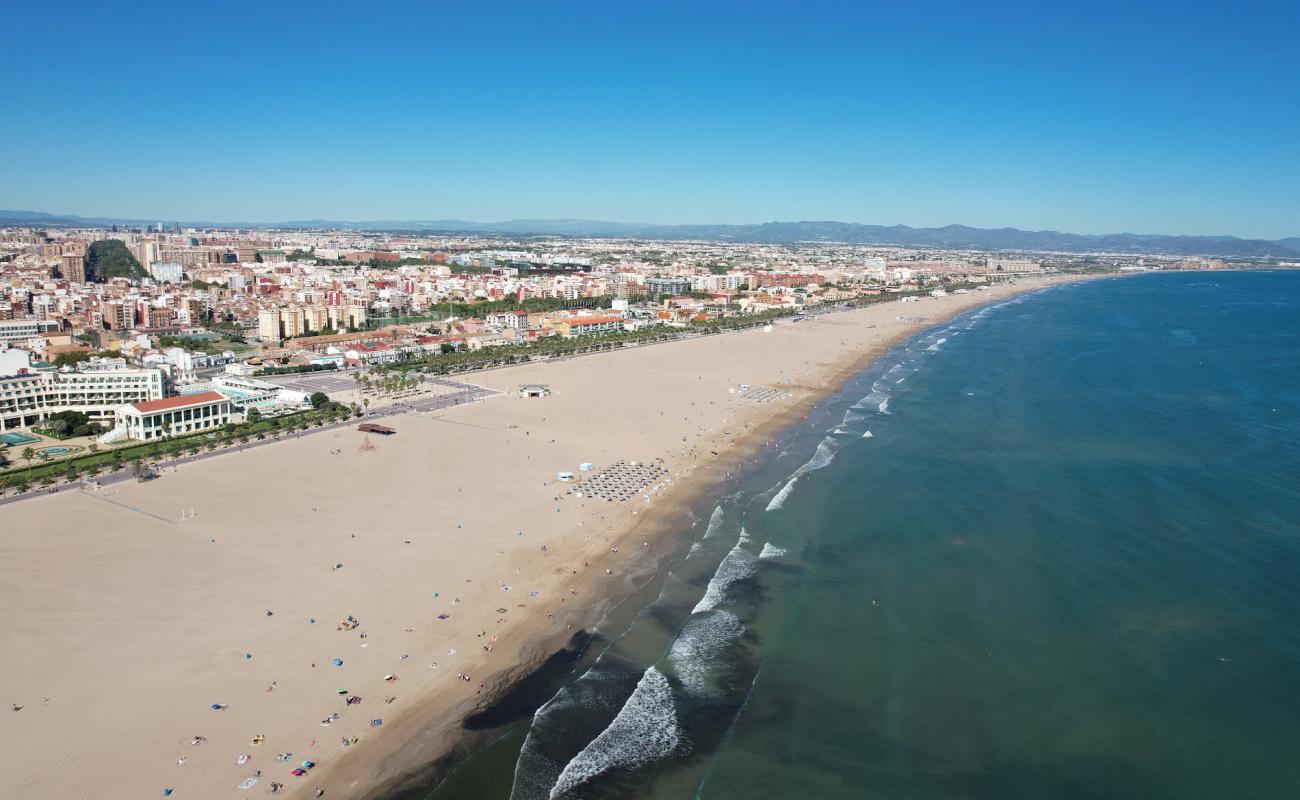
[
  {"x": 778, "y": 500},
  {"x": 699, "y": 643},
  {"x": 744, "y": 536},
  {"x": 737, "y": 565},
  {"x": 644, "y": 730},
  {"x": 867, "y": 435},
  {"x": 934, "y": 348},
  {"x": 771, "y": 551},
  {"x": 535, "y": 771},
  {"x": 822, "y": 457},
  {"x": 878, "y": 392},
  {"x": 715, "y": 522},
  {"x": 883, "y": 408}
]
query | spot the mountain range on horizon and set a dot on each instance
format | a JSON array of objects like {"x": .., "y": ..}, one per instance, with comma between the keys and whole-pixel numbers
[{"x": 949, "y": 236}]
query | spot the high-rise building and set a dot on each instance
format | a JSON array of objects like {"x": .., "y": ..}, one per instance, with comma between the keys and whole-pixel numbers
[
  {"x": 73, "y": 268},
  {"x": 268, "y": 325}
]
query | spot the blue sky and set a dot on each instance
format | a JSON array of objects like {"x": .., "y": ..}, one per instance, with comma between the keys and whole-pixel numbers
[{"x": 1088, "y": 117}]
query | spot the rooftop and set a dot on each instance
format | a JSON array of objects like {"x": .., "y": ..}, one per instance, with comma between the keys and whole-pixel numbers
[{"x": 184, "y": 401}]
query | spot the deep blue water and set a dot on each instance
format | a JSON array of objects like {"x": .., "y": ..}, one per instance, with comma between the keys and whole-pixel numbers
[{"x": 1065, "y": 563}]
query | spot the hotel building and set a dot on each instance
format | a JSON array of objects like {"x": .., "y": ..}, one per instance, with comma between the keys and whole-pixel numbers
[
  {"x": 174, "y": 416},
  {"x": 30, "y": 392}
]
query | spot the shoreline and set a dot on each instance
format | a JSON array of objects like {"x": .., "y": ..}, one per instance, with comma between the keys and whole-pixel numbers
[
  {"x": 127, "y": 625},
  {"x": 396, "y": 773}
]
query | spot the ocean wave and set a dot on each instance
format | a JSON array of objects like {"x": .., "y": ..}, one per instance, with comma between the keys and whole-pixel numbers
[
  {"x": 883, "y": 408},
  {"x": 644, "y": 730},
  {"x": 536, "y": 767},
  {"x": 771, "y": 551},
  {"x": 867, "y": 434},
  {"x": 715, "y": 522},
  {"x": 823, "y": 456},
  {"x": 737, "y": 565},
  {"x": 698, "y": 645},
  {"x": 778, "y": 500}
]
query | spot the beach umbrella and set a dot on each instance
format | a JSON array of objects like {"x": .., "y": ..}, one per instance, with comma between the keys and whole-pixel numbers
[
  {"x": 338, "y": 662},
  {"x": 299, "y": 771},
  {"x": 308, "y": 764}
]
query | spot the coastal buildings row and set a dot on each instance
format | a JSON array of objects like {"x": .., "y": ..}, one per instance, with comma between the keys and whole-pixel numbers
[{"x": 183, "y": 312}]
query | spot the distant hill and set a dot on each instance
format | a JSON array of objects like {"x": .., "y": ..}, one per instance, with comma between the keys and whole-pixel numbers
[
  {"x": 950, "y": 236},
  {"x": 110, "y": 258}
]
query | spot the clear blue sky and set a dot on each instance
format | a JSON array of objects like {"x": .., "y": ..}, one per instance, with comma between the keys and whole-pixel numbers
[{"x": 1155, "y": 117}]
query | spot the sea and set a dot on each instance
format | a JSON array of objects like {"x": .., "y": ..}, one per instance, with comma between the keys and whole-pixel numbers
[{"x": 1049, "y": 549}]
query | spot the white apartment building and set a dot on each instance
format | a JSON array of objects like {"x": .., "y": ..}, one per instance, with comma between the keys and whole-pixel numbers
[
  {"x": 1012, "y": 265},
  {"x": 30, "y": 393},
  {"x": 13, "y": 331}
]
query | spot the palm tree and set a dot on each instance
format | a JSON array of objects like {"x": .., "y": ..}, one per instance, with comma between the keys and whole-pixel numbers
[{"x": 28, "y": 455}]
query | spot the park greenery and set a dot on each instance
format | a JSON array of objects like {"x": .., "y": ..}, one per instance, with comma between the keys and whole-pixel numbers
[
  {"x": 110, "y": 258},
  {"x": 78, "y": 356},
  {"x": 70, "y": 424}
]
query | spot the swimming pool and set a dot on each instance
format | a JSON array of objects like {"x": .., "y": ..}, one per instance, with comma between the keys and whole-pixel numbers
[{"x": 17, "y": 438}]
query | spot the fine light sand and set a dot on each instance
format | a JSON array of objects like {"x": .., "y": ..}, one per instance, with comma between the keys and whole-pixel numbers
[{"x": 123, "y": 625}]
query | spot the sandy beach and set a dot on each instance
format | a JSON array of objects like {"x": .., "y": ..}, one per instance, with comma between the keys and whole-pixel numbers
[{"x": 149, "y": 652}]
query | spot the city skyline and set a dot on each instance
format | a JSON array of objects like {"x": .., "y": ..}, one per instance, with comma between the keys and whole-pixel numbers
[{"x": 1160, "y": 119}]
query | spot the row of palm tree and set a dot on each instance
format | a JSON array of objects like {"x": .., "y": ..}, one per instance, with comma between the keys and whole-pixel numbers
[
  {"x": 386, "y": 383},
  {"x": 556, "y": 346}
]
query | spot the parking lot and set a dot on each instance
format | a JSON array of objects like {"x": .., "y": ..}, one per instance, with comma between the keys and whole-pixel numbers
[{"x": 313, "y": 382}]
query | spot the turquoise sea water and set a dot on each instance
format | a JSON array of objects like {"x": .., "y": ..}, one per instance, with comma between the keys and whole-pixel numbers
[{"x": 1048, "y": 550}]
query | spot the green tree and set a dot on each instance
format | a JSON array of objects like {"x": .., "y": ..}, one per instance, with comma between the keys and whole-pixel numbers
[{"x": 110, "y": 258}]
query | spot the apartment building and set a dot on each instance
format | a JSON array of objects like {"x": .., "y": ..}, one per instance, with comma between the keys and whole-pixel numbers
[{"x": 586, "y": 326}]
